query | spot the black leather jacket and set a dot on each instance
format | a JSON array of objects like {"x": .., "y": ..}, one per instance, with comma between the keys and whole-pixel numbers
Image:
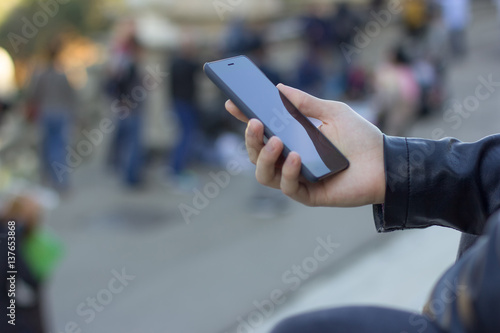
[{"x": 457, "y": 185}]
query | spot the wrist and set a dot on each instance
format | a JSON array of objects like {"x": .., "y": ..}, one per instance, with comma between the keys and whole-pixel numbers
[{"x": 380, "y": 176}]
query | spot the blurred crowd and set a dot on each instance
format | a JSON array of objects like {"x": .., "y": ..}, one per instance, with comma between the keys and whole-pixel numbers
[{"x": 408, "y": 83}]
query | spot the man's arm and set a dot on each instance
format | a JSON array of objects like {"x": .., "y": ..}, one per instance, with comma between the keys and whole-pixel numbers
[
  {"x": 414, "y": 183},
  {"x": 446, "y": 183}
]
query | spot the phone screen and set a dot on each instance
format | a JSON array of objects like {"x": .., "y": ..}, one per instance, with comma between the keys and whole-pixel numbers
[{"x": 257, "y": 97}]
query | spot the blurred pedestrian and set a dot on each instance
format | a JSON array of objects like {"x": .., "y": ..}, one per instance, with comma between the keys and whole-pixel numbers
[
  {"x": 376, "y": 5},
  {"x": 238, "y": 38},
  {"x": 436, "y": 53},
  {"x": 396, "y": 93},
  {"x": 316, "y": 27},
  {"x": 260, "y": 56},
  {"x": 343, "y": 30},
  {"x": 183, "y": 88},
  {"x": 55, "y": 102},
  {"x": 343, "y": 24},
  {"x": 126, "y": 154},
  {"x": 4, "y": 107},
  {"x": 29, "y": 314},
  {"x": 310, "y": 72},
  {"x": 456, "y": 16},
  {"x": 415, "y": 17}
]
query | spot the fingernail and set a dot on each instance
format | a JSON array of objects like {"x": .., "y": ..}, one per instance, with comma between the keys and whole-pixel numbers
[
  {"x": 291, "y": 160},
  {"x": 271, "y": 144},
  {"x": 250, "y": 132}
]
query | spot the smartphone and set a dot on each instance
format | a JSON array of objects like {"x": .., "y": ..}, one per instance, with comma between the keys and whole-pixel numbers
[{"x": 257, "y": 97}]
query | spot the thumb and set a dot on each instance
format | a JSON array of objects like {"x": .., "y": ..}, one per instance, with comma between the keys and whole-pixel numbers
[{"x": 308, "y": 105}]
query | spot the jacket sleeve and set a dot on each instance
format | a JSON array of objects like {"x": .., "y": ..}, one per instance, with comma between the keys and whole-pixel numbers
[{"x": 446, "y": 183}]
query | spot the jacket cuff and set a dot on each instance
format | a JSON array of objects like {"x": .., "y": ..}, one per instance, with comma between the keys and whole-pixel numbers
[{"x": 393, "y": 214}]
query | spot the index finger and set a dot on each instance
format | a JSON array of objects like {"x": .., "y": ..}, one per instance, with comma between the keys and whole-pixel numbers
[{"x": 233, "y": 109}]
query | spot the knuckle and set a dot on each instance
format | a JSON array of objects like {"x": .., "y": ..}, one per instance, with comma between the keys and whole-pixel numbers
[
  {"x": 265, "y": 156},
  {"x": 261, "y": 178},
  {"x": 287, "y": 190},
  {"x": 287, "y": 185},
  {"x": 287, "y": 173},
  {"x": 252, "y": 154},
  {"x": 252, "y": 158}
]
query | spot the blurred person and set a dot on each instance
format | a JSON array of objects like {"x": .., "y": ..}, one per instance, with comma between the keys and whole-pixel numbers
[
  {"x": 454, "y": 184},
  {"x": 357, "y": 83},
  {"x": 342, "y": 27},
  {"x": 183, "y": 88},
  {"x": 123, "y": 32},
  {"x": 437, "y": 47},
  {"x": 4, "y": 107},
  {"x": 415, "y": 17},
  {"x": 336, "y": 73},
  {"x": 396, "y": 93},
  {"x": 376, "y": 5},
  {"x": 430, "y": 62},
  {"x": 126, "y": 152},
  {"x": 310, "y": 72},
  {"x": 426, "y": 78},
  {"x": 427, "y": 55},
  {"x": 239, "y": 38},
  {"x": 29, "y": 314},
  {"x": 343, "y": 24},
  {"x": 259, "y": 55},
  {"x": 456, "y": 16},
  {"x": 316, "y": 27},
  {"x": 55, "y": 102}
]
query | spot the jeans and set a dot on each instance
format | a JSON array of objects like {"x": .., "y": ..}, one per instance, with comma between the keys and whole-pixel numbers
[
  {"x": 127, "y": 149},
  {"x": 362, "y": 319},
  {"x": 188, "y": 121},
  {"x": 55, "y": 131}
]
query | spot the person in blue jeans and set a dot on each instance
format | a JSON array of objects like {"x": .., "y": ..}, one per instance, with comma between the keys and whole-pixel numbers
[
  {"x": 126, "y": 154},
  {"x": 55, "y": 124},
  {"x": 188, "y": 120},
  {"x": 129, "y": 148},
  {"x": 183, "y": 88},
  {"x": 55, "y": 100},
  {"x": 411, "y": 183}
]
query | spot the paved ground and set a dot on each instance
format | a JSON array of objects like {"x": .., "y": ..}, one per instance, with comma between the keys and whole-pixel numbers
[{"x": 213, "y": 274}]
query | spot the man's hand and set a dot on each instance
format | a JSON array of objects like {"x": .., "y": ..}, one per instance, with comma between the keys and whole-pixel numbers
[{"x": 361, "y": 142}]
